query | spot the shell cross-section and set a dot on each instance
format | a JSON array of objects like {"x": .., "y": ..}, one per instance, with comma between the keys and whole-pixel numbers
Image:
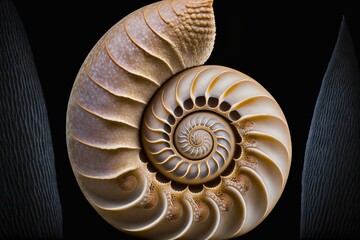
[{"x": 165, "y": 150}]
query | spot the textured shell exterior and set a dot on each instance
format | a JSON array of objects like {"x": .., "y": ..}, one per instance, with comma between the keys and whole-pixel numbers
[{"x": 201, "y": 154}]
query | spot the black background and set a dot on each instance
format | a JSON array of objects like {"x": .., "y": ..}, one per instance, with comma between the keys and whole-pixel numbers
[{"x": 284, "y": 47}]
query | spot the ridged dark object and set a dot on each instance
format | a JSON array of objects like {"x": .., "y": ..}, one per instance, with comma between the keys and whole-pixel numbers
[
  {"x": 330, "y": 203},
  {"x": 29, "y": 199}
]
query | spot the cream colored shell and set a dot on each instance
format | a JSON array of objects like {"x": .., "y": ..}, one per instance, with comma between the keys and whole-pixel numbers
[{"x": 203, "y": 154}]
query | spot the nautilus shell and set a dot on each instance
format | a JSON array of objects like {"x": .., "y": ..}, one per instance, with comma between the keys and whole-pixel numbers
[{"x": 163, "y": 148}]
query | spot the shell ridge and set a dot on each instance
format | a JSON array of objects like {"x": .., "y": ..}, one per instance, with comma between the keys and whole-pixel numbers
[
  {"x": 128, "y": 70},
  {"x": 104, "y": 117},
  {"x": 109, "y": 91},
  {"x": 146, "y": 50},
  {"x": 177, "y": 53}
]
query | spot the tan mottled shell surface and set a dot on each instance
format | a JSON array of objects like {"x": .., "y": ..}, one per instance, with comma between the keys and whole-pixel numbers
[{"x": 166, "y": 153}]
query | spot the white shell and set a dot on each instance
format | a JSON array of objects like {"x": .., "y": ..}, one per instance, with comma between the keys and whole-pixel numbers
[{"x": 206, "y": 156}]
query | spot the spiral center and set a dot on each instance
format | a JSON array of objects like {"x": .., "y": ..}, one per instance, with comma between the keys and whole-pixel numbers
[
  {"x": 199, "y": 137},
  {"x": 194, "y": 149},
  {"x": 193, "y": 142}
]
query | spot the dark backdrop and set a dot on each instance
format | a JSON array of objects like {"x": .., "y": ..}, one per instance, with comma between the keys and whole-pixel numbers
[{"x": 285, "y": 48}]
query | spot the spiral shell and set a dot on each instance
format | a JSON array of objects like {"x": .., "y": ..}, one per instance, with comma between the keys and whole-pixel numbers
[{"x": 200, "y": 154}]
